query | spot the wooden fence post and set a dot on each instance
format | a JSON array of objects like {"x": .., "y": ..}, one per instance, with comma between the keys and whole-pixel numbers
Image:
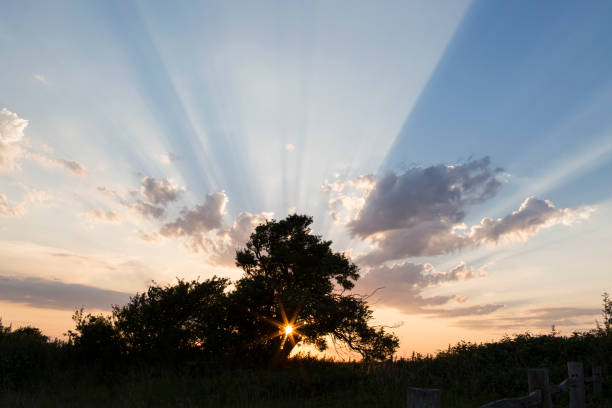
[
  {"x": 576, "y": 384},
  {"x": 597, "y": 379},
  {"x": 538, "y": 380},
  {"x": 424, "y": 397}
]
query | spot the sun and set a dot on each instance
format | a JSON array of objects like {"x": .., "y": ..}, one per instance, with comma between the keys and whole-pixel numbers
[{"x": 288, "y": 329}]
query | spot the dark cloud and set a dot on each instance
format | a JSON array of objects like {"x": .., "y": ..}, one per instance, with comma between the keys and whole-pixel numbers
[
  {"x": 159, "y": 191},
  {"x": 425, "y": 239},
  {"x": 50, "y": 294},
  {"x": 196, "y": 222},
  {"x": 147, "y": 209},
  {"x": 477, "y": 310},
  {"x": 441, "y": 236},
  {"x": 425, "y": 195},
  {"x": 150, "y": 200},
  {"x": 421, "y": 211},
  {"x": 72, "y": 166}
]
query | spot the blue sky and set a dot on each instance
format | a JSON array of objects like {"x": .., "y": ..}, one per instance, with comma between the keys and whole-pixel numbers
[{"x": 457, "y": 151}]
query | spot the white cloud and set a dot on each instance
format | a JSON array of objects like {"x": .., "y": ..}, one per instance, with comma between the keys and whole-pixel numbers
[
  {"x": 11, "y": 137},
  {"x": 12, "y": 147},
  {"x": 41, "y": 78},
  {"x": 71, "y": 165},
  {"x": 347, "y": 198},
  {"x": 9, "y": 210},
  {"x": 100, "y": 216},
  {"x": 224, "y": 252},
  {"x": 533, "y": 215},
  {"x": 32, "y": 198},
  {"x": 167, "y": 158},
  {"x": 289, "y": 147}
]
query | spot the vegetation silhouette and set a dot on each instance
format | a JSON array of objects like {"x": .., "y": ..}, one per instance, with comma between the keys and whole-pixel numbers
[
  {"x": 41, "y": 373},
  {"x": 291, "y": 278}
]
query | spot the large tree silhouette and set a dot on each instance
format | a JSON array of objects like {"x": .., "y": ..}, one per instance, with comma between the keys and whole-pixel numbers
[{"x": 293, "y": 278}]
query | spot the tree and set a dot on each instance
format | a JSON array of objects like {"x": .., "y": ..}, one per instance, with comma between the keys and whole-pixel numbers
[
  {"x": 606, "y": 313},
  {"x": 293, "y": 278}
]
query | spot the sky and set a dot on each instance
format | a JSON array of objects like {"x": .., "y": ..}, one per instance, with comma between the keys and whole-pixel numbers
[{"x": 460, "y": 152}]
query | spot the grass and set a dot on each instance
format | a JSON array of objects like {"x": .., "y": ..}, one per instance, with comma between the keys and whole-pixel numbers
[
  {"x": 38, "y": 373},
  {"x": 306, "y": 382}
]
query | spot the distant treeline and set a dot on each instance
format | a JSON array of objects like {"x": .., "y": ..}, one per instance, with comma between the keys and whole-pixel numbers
[{"x": 35, "y": 371}]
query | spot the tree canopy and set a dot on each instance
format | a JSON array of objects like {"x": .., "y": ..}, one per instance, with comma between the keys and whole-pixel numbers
[{"x": 291, "y": 278}]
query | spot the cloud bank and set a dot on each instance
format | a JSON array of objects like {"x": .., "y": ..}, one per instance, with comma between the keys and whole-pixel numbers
[
  {"x": 50, "y": 294},
  {"x": 421, "y": 211}
]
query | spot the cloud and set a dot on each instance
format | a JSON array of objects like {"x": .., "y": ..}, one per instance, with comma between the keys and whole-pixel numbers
[
  {"x": 72, "y": 166},
  {"x": 422, "y": 195},
  {"x": 477, "y": 310},
  {"x": 159, "y": 191},
  {"x": 150, "y": 200},
  {"x": 9, "y": 210},
  {"x": 535, "y": 318},
  {"x": 289, "y": 147},
  {"x": 347, "y": 198},
  {"x": 146, "y": 209},
  {"x": 202, "y": 226},
  {"x": 99, "y": 216},
  {"x": 51, "y": 294},
  {"x": 401, "y": 287},
  {"x": 150, "y": 236},
  {"x": 167, "y": 158},
  {"x": 196, "y": 222},
  {"x": 441, "y": 236},
  {"x": 531, "y": 216},
  {"x": 32, "y": 198},
  {"x": 41, "y": 78},
  {"x": 11, "y": 137},
  {"x": 224, "y": 253},
  {"x": 421, "y": 211},
  {"x": 425, "y": 239}
]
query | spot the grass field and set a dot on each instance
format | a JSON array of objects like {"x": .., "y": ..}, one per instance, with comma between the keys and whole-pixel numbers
[{"x": 469, "y": 375}]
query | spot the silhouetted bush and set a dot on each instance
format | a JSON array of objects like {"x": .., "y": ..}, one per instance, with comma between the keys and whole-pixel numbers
[
  {"x": 96, "y": 339},
  {"x": 24, "y": 353}
]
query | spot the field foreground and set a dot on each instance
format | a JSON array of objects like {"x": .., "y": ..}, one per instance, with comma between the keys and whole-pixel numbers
[{"x": 469, "y": 375}]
